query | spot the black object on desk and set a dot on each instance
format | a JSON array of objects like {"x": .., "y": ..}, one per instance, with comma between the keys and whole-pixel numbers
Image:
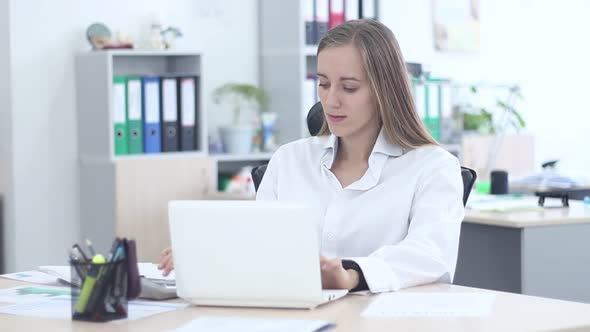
[
  {"x": 564, "y": 194},
  {"x": 107, "y": 283}
]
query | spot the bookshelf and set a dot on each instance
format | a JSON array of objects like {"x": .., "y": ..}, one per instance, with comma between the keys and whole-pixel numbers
[
  {"x": 127, "y": 195},
  {"x": 287, "y": 60}
]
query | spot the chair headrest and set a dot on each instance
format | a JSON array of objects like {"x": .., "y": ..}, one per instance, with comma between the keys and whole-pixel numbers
[{"x": 315, "y": 119}]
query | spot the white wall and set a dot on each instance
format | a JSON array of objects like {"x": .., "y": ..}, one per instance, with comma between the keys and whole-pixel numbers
[
  {"x": 6, "y": 188},
  {"x": 45, "y": 35},
  {"x": 542, "y": 45}
]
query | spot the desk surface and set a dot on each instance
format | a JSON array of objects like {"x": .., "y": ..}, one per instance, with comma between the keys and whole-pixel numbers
[
  {"x": 577, "y": 213},
  {"x": 510, "y": 312}
]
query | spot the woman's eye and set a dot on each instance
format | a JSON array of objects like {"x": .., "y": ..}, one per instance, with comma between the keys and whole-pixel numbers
[
  {"x": 349, "y": 89},
  {"x": 323, "y": 85}
]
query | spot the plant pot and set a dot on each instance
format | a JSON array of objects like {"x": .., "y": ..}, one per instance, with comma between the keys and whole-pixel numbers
[{"x": 237, "y": 139}]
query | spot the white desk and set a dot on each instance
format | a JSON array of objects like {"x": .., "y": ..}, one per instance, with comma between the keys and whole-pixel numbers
[
  {"x": 510, "y": 312},
  {"x": 543, "y": 253}
]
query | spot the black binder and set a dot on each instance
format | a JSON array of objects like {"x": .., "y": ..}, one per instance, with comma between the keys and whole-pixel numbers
[
  {"x": 188, "y": 110},
  {"x": 169, "y": 116}
]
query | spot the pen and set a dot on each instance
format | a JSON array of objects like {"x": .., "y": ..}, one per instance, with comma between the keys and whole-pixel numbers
[
  {"x": 77, "y": 247},
  {"x": 90, "y": 248}
]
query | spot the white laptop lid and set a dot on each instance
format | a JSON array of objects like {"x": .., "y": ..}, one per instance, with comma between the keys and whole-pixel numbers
[{"x": 240, "y": 252}]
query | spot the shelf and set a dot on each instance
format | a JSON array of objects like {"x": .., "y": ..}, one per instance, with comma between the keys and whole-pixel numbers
[
  {"x": 243, "y": 157},
  {"x": 140, "y": 52}
]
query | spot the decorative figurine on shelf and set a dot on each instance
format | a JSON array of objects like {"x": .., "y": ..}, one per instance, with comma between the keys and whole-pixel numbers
[
  {"x": 170, "y": 34},
  {"x": 100, "y": 38}
]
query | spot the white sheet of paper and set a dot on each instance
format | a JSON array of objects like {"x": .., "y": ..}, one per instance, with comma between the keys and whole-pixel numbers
[
  {"x": 150, "y": 271},
  {"x": 28, "y": 294},
  {"x": 431, "y": 304},
  {"x": 235, "y": 324},
  {"x": 59, "y": 307},
  {"x": 58, "y": 271},
  {"x": 35, "y": 277}
]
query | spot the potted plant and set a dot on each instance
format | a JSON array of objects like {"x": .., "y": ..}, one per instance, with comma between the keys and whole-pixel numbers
[
  {"x": 237, "y": 137},
  {"x": 482, "y": 121}
]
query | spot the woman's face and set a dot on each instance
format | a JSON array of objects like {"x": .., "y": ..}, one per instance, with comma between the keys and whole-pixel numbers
[{"x": 345, "y": 93}]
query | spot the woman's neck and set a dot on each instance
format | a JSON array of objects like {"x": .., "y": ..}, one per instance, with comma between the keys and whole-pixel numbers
[{"x": 357, "y": 148}]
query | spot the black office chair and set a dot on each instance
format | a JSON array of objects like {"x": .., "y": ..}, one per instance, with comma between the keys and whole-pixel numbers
[{"x": 315, "y": 119}]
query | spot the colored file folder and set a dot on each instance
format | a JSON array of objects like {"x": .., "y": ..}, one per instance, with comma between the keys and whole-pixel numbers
[
  {"x": 351, "y": 10},
  {"x": 151, "y": 115},
  {"x": 368, "y": 9},
  {"x": 134, "y": 116},
  {"x": 120, "y": 115},
  {"x": 322, "y": 16},
  {"x": 336, "y": 13},
  {"x": 188, "y": 88},
  {"x": 309, "y": 17},
  {"x": 169, "y": 102}
]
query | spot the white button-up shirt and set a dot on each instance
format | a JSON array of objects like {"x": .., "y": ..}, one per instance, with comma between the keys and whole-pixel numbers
[{"x": 400, "y": 222}]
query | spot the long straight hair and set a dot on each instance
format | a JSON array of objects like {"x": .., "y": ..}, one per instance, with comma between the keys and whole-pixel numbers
[{"x": 388, "y": 78}]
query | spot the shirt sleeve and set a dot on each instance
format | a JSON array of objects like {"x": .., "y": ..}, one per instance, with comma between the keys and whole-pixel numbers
[
  {"x": 429, "y": 251},
  {"x": 267, "y": 191}
]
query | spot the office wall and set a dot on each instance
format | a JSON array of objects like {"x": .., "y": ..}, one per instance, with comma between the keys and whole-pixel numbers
[
  {"x": 5, "y": 129},
  {"x": 541, "y": 45},
  {"x": 44, "y": 36}
]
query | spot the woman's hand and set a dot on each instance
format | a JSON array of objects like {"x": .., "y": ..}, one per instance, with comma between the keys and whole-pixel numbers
[
  {"x": 334, "y": 276},
  {"x": 166, "y": 261}
]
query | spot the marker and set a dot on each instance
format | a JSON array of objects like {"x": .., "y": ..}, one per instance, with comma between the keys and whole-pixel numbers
[{"x": 98, "y": 262}]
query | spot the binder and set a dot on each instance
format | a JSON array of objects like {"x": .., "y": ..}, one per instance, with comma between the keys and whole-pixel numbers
[
  {"x": 351, "y": 10},
  {"x": 336, "y": 12},
  {"x": 432, "y": 120},
  {"x": 368, "y": 9},
  {"x": 169, "y": 107},
  {"x": 322, "y": 15},
  {"x": 151, "y": 114},
  {"x": 120, "y": 115},
  {"x": 188, "y": 88},
  {"x": 309, "y": 17},
  {"x": 134, "y": 117},
  {"x": 419, "y": 98}
]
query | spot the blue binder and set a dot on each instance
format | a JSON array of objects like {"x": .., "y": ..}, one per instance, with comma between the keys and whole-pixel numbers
[{"x": 152, "y": 138}]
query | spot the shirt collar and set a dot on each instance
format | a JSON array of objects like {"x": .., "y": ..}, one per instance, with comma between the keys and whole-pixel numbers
[{"x": 382, "y": 145}]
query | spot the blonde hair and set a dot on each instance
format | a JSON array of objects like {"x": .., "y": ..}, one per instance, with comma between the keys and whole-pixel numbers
[{"x": 388, "y": 78}]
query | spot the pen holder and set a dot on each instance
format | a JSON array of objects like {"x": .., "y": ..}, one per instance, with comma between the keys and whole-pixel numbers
[{"x": 99, "y": 290}]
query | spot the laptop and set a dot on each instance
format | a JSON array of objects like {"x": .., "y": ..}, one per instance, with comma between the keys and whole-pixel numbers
[{"x": 247, "y": 253}]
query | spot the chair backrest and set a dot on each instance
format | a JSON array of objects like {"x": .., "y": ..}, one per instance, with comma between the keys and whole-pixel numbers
[
  {"x": 469, "y": 176},
  {"x": 315, "y": 119},
  {"x": 257, "y": 174}
]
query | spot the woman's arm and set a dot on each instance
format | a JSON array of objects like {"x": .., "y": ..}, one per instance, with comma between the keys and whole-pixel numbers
[{"x": 429, "y": 251}]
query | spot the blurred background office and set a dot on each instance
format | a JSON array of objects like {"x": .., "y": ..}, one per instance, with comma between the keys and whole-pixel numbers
[{"x": 502, "y": 84}]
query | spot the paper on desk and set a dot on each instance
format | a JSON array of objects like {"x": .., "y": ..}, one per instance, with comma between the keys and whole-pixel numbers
[
  {"x": 27, "y": 294},
  {"x": 234, "y": 324},
  {"x": 60, "y": 307},
  {"x": 508, "y": 203},
  {"x": 35, "y": 277},
  {"x": 150, "y": 271},
  {"x": 430, "y": 304}
]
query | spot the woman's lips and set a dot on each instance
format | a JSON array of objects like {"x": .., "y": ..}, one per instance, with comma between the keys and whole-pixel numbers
[{"x": 336, "y": 118}]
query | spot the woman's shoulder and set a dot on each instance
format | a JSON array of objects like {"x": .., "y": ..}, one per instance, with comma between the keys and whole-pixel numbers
[{"x": 433, "y": 155}]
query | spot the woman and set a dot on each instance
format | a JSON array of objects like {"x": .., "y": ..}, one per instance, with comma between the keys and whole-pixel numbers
[{"x": 391, "y": 197}]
